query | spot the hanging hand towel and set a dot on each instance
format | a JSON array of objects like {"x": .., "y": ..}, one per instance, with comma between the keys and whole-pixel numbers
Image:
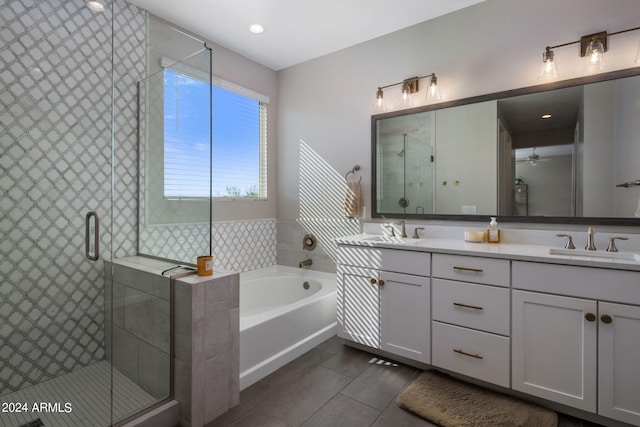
[{"x": 353, "y": 199}]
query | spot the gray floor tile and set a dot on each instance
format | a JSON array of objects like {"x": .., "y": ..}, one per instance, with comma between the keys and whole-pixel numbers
[
  {"x": 250, "y": 399},
  {"x": 260, "y": 419},
  {"x": 332, "y": 345},
  {"x": 298, "y": 402},
  {"x": 349, "y": 361},
  {"x": 569, "y": 421},
  {"x": 297, "y": 368},
  {"x": 379, "y": 384},
  {"x": 343, "y": 412}
]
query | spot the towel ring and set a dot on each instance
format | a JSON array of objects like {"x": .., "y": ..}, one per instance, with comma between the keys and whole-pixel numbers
[{"x": 353, "y": 171}]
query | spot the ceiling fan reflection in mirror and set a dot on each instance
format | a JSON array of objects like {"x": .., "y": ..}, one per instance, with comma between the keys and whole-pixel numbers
[{"x": 532, "y": 158}]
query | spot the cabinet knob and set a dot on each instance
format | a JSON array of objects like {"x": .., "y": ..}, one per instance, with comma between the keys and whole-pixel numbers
[
  {"x": 590, "y": 317},
  {"x": 374, "y": 281},
  {"x": 381, "y": 282},
  {"x": 606, "y": 318}
]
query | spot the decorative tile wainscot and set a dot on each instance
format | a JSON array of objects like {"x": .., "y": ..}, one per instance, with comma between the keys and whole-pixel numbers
[{"x": 206, "y": 364}]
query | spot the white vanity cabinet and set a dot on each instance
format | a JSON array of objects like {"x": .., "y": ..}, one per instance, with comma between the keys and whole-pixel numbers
[
  {"x": 573, "y": 346},
  {"x": 384, "y": 300},
  {"x": 618, "y": 358},
  {"x": 471, "y": 316},
  {"x": 554, "y": 348}
]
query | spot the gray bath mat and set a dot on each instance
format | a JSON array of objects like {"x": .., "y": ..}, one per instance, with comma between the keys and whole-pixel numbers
[{"x": 449, "y": 402}]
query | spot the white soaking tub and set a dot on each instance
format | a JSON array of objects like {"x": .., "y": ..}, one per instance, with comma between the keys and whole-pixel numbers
[{"x": 280, "y": 319}]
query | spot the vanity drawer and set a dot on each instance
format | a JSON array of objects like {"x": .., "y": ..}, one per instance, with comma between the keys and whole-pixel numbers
[
  {"x": 395, "y": 260},
  {"x": 359, "y": 256},
  {"x": 474, "y": 306},
  {"x": 489, "y": 271},
  {"x": 473, "y": 353},
  {"x": 583, "y": 282},
  {"x": 408, "y": 262}
]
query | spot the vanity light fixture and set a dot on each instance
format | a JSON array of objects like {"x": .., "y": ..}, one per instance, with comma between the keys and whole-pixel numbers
[
  {"x": 592, "y": 48},
  {"x": 409, "y": 87},
  {"x": 594, "y": 51}
]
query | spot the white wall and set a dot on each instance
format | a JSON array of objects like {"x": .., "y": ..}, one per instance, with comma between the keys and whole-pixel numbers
[
  {"x": 598, "y": 156},
  {"x": 493, "y": 46},
  {"x": 627, "y": 148},
  {"x": 549, "y": 185},
  {"x": 467, "y": 158}
]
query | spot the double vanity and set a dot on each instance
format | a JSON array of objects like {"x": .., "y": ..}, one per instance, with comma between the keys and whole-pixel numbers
[{"x": 558, "y": 324}]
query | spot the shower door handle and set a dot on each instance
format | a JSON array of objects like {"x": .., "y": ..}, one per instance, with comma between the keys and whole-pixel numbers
[{"x": 96, "y": 236}]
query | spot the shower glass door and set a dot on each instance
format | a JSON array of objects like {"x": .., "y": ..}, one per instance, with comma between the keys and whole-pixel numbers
[{"x": 68, "y": 194}]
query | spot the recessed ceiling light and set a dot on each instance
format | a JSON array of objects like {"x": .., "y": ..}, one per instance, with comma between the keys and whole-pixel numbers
[
  {"x": 256, "y": 29},
  {"x": 546, "y": 116},
  {"x": 96, "y": 6}
]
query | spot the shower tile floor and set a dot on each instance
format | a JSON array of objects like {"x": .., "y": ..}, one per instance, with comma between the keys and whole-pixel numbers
[
  {"x": 334, "y": 385},
  {"x": 88, "y": 390}
]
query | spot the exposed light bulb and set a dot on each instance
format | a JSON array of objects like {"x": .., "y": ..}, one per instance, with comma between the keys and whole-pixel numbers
[
  {"x": 548, "y": 69},
  {"x": 594, "y": 55},
  {"x": 433, "y": 92},
  {"x": 379, "y": 106},
  {"x": 406, "y": 101}
]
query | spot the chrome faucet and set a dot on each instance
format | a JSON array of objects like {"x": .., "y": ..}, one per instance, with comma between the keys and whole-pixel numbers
[
  {"x": 416, "y": 235},
  {"x": 305, "y": 263},
  {"x": 403, "y": 229},
  {"x": 590, "y": 244}
]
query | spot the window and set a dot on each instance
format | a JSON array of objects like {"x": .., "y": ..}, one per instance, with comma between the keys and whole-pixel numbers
[{"x": 238, "y": 152}]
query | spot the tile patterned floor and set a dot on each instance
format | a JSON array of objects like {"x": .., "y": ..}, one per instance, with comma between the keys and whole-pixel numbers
[
  {"x": 333, "y": 385},
  {"x": 88, "y": 391}
]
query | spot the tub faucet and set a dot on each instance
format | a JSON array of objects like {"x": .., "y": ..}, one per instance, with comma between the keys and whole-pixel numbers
[
  {"x": 305, "y": 263},
  {"x": 590, "y": 244}
]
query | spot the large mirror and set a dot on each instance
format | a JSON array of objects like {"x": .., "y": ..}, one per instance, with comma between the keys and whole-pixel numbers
[{"x": 553, "y": 153}]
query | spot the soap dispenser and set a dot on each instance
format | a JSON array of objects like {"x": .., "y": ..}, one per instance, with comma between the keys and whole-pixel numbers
[{"x": 493, "y": 232}]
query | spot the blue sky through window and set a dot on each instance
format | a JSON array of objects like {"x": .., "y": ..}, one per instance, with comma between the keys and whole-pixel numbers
[{"x": 236, "y": 140}]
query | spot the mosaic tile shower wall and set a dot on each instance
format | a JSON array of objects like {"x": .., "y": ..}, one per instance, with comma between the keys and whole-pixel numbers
[{"x": 55, "y": 140}]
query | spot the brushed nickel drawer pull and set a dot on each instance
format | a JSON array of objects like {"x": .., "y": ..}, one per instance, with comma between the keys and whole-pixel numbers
[
  {"x": 477, "y": 356},
  {"x": 474, "y": 270},
  {"x": 475, "y": 307}
]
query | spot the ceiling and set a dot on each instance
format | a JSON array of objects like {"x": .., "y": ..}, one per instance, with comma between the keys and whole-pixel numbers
[
  {"x": 524, "y": 113},
  {"x": 296, "y": 30}
]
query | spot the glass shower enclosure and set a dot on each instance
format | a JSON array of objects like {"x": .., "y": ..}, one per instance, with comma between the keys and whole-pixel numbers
[{"x": 69, "y": 204}]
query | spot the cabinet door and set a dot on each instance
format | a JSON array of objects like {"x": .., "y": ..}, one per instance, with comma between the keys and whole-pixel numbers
[
  {"x": 555, "y": 348},
  {"x": 359, "y": 306},
  {"x": 619, "y": 353},
  {"x": 405, "y": 316}
]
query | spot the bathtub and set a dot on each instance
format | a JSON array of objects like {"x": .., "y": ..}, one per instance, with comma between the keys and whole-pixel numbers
[{"x": 280, "y": 319}]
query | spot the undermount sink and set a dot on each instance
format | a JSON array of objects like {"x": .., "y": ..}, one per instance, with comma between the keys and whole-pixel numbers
[
  {"x": 595, "y": 254},
  {"x": 393, "y": 240}
]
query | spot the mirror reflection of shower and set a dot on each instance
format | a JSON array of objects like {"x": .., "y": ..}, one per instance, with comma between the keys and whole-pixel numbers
[{"x": 406, "y": 174}]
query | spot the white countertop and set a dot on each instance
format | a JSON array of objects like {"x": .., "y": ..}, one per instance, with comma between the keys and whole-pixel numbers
[{"x": 512, "y": 251}]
